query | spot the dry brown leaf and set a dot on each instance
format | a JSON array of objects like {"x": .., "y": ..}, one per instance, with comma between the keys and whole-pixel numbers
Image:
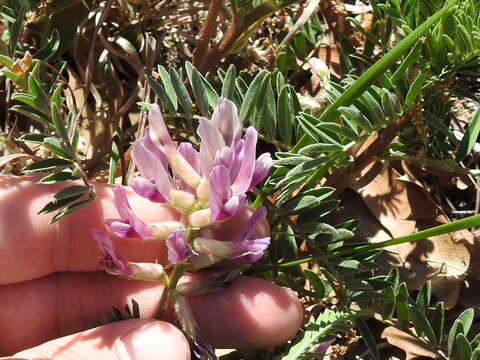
[
  {"x": 402, "y": 206},
  {"x": 4, "y": 160},
  {"x": 412, "y": 346}
]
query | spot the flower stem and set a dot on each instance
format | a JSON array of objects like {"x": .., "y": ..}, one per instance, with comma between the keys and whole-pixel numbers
[{"x": 171, "y": 283}]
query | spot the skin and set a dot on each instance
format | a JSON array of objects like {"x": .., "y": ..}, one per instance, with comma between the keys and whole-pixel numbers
[{"x": 52, "y": 287}]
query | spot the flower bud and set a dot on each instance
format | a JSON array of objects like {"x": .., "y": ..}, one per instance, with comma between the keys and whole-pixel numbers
[
  {"x": 201, "y": 218},
  {"x": 202, "y": 189},
  {"x": 213, "y": 247},
  {"x": 182, "y": 199},
  {"x": 184, "y": 170},
  {"x": 162, "y": 230},
  {"x": 147, "y": 271}
]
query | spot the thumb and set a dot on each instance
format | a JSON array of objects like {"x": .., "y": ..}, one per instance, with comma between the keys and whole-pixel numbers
[{"x": 124, "y": 340}]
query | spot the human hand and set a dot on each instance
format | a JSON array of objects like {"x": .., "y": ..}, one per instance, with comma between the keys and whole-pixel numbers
[{"x": 51, "y": 285}]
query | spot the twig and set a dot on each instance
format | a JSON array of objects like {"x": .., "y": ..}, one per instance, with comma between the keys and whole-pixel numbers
[{"x": 207, "y": 32}]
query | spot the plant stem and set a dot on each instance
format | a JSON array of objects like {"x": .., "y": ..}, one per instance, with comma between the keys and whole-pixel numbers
[
  {"x": 469, "y": 222},
  {"x": 207, "y": 32}
]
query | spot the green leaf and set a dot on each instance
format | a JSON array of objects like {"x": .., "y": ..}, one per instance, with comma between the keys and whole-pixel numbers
[
  {"x": 338, "y": 129},
  {"x": 51, "y": 47},
  {"x": 285, "y": 115},
  {"x": 15, "y": 29},
  {"x": 182, "y": 92},
  {"x": 6, "y": 61},
  {"x": 402, "y": 305},
  {"x": 58, "y": 177},
  {"x": 310, "y": 128},
  {"x": 279, "y": 82},
  {"x": 56, "y": 146},
  {"x": 69, "y": 209},
  {"x": 470, "y": 137},
  {"x": 199, "y": 92},
  {"x": 12, "y": 76},
  {"x": 316, "y": 283},
  {"x": 476, "y": 354},
  {"x": 161, "y": 93},
  {"x": 423, "y": 297},
  {"x": 32, "y": 101},
  {"x": 58, "y": 123},
  {"x": 37, "y": 91},
  {"x": 438, "y": 322},
  {"x": 367, "y": 338},
  {"x": 461, "y": 326},
  {"x": 251, "y": 97},
  {"x": 320, "y": 148},
  {"x": 46, "y": 164},
  {"x": 33, "y": 138},
  {"x": 475, "y": 343},
  {"x": 422, "y": 325},
  {"x": 32, "y": 113},
  {"x": 415, "y": 88},
  {"x": 268, "y": 119},
  {"x": 228, "y": 87},
  {"x": 169, "y": 88},
  {"x": 354, "y": 115},
  {"x": 57, "y": 204},
  {"x": 57, "y": 96},
  {"x": 300, "y": 204},
  {"x": 289, "y": 246},
  {"x": 464, "y": 350},
  {"x": 261, "y": 102},
  {"x": 71, "y": 191},
  {"x": 114, "y": 157}
]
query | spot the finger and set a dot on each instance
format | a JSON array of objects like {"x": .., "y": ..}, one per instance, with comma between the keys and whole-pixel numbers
[
  {"x": 26, "y": 238},
  {"x": 125, "y": 340},
  {"x": 249, "y": 313}
]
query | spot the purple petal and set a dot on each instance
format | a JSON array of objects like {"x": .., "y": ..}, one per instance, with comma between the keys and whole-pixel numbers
[
  {"x": 262, "y": 167},
  {"x": 225, "y": 157},
  {"x": 178, "y": 250},
  {"x": 140, "y": 229},
  {"x": 237, "y": 159},
  {"x": 113, "y": 263},
  {"x": 155, "y": 150},
  {"x": 191, "y": 155},
  {"x": 249, "y": 227},
  {"x": 226, "y": 120},
  {"x": 152, "y": 167},
  {"x": 245, "y": 174},
  {"x": 148, "y": 190},
  {"x": 218, "y": 189},
  {"x": 121, "y": 229},
  {"x": 212, "y": 141},
  {"x": 159, "y": 132},
  {"x": 233, "y": 204},
  {"x": 323, "y": 346},
  {"x": 249, "y": 250}
]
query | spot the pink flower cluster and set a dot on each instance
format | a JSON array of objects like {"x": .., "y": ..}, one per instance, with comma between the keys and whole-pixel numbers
[{"x": 205, "y": 187}]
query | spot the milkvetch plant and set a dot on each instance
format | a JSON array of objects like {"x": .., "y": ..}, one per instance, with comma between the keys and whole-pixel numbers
[{"x": 205, "y": 187}]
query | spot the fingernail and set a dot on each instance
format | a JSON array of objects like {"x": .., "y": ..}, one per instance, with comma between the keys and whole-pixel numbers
[{"x": 153, "y": 340}]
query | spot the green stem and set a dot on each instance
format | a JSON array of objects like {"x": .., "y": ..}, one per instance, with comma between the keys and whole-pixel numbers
[
  {"x": 469, "y": 222},
  {"x": 171, "y": 283}
]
